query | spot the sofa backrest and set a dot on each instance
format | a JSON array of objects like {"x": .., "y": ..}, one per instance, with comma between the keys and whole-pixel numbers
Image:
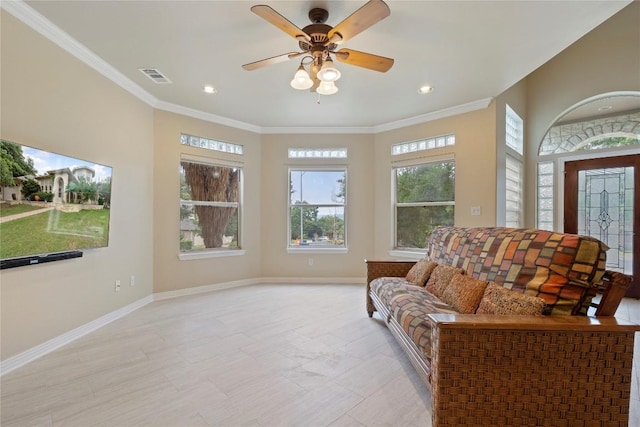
[{"x": 562, "y": 269}]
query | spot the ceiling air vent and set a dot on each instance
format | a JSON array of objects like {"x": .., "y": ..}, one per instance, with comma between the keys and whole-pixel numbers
[{"x": 155, "y": 75}]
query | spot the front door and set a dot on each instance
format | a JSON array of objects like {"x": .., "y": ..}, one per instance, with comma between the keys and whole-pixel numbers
[{"x": 602, "y": 200}]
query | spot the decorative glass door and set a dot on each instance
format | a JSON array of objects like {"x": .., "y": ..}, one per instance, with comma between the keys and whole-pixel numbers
[{"x": 601, "y": 200}]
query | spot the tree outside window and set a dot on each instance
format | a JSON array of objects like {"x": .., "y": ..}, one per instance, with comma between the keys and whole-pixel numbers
[
  {"x": 317, "y": 208},
  {"x": 425, "y": 199},
  {"x": 209, "y": 206}
]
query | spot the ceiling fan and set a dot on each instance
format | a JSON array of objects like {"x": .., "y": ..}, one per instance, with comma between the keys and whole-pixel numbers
[{"x": 319, "y": 41}]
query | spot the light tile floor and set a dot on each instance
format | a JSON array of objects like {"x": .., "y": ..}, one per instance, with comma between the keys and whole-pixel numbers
[{"x": 261, "y": 355}]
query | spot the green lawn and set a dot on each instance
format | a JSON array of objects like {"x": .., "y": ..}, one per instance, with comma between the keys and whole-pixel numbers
[
  {"x": 6, "y": 209},
  {"x": 54, "y": 231}
]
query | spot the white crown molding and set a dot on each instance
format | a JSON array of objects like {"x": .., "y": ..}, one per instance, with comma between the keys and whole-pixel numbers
[
  {"x": 38, "y": 351},
  {"x": 55, "y": 34},
  {"x": 324, "y": 130},
  {"x": 423, "y": 118},
  {"x": 435, "y": 115},
  {"x": 213, "y": 118}
]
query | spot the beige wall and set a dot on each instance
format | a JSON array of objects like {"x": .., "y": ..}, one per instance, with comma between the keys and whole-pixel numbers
[
  {"x": 605, "y": 60},
  {"x": 170, "y": 272},
  {"x": 52, "y": 101},
  {"x": 475, "y": 156},
  {"x": 276, "y": 262}
]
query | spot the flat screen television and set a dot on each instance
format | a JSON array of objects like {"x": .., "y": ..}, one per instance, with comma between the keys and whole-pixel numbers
[{"x": 52, "y": 206}]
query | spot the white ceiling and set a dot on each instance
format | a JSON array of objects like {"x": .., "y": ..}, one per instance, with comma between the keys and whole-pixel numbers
[{"x": 467, "y": 50}]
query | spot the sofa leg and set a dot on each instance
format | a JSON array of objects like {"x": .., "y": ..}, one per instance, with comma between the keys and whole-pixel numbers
[{"x": 370, "y": 313}]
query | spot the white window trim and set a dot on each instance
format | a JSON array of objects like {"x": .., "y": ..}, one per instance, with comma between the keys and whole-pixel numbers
[
  {"x": 310, "y": 250},
  {"x": 211, "y": 253},
  {"x": 411, "y": 147},
  {"x": 217, "y": 253},
  {"x": 410, "y": 253},
  {"x": 317, "y": 153},
  {"x": 318, "y": 251}
]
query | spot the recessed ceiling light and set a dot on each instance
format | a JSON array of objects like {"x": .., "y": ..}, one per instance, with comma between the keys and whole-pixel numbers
[
  {"x": 425, "y": 89},
  {"x": 210, "y": 89},
  {"x": 605, "y": 108}
]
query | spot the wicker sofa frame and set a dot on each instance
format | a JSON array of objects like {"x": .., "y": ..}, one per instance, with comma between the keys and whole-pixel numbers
[{"x": 489, "y": 370}]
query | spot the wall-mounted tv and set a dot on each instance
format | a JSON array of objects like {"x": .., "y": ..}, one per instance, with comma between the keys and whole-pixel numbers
[{"x": 52, "y": 206}]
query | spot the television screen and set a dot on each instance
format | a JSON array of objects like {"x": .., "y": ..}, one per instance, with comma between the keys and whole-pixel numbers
[{"x": 50, "y": 203}]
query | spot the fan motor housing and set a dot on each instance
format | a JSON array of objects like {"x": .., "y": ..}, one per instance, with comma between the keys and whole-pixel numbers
[{"x": 318, "y": 34}]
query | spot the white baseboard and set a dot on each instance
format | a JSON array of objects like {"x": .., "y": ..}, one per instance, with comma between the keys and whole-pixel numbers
[
  {"x": 38, "y": 351},
  {"x": 314, "y": 280},
  {"x": 159, "y": 296}
]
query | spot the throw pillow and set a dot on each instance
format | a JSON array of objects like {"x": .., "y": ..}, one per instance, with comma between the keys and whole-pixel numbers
[
  {"x": 464, "y": 293},
  {"x": 420, "y": 272},
  {"x": 500, "y": 300},
  {"x": 440, "y": 278}
]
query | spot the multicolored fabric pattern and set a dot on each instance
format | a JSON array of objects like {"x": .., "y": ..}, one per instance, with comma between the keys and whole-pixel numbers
[
  {"x": 409, "y": 305},
  {"x": 562, "y": 269}
]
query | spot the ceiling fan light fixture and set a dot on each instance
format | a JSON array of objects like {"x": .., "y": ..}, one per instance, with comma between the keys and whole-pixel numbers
[
  {"x": 327, "y": 88},
  {"x": 301, "y": 80},
  {"x": 328, "y": 72}
]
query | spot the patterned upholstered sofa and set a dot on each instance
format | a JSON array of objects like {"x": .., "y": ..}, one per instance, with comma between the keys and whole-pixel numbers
[{"x": 561, "y": 367}]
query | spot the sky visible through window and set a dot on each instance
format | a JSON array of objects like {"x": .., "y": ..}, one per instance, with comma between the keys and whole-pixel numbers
[
  {"x": 318, "y": 187},
  {"x": 44, "y": 161}
]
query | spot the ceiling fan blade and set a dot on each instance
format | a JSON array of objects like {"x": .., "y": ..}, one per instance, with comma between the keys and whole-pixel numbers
[
  {"x": 270, "y": 15},
  {"x": 372, "y": 12},
  {"x": 364, "y": 60},
  {"x": 268, "y": 61}
]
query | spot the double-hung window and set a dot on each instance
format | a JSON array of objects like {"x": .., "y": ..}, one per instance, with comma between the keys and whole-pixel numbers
[
  {"x": 424, "y": 199},
  {"x": 317, "y": 205},
  {"x": 210, "y": 206}
]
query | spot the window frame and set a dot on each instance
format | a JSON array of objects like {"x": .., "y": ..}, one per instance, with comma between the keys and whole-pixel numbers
[
  {"x": 408, "y": 252},
  {"x": 519, "y": 191},
  {"x": 514, "y": 152},
  {"x": 214, "y": 252},
  {"x": 317, "y": 168}
]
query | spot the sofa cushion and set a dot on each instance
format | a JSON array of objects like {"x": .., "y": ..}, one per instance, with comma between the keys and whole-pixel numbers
[
  {"x": 387, "y": 287},
  {"x": 500, "y": 300},
  {"x": 420, "y": 272},
  {"x": 562, "y": 269},
  {"x": 409, "y": 307},
  {"x": 464, "y": 293},
  {"x": 440, "y": 279}
]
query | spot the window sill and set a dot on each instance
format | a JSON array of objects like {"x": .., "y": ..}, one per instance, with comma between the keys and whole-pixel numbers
[
  {"x": 312, "y": 250},
  {"x": 412, "y": 255},
  {"x": 186, "y": 256}
]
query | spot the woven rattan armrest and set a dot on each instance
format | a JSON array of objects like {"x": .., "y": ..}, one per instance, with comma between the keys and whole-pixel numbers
[
  {"x": 544, "y": 369},
  {"x": 377, "y": 269},
  {"x": 614, "y": 288}
]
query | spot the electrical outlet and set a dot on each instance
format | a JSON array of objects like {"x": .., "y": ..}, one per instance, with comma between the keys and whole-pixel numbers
[
  {"x": 132, "y": 280},
  {"x": 117, "y": 287},
  {"x": 475, "y": 211},
  {"x": 310, "y": 262}
]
